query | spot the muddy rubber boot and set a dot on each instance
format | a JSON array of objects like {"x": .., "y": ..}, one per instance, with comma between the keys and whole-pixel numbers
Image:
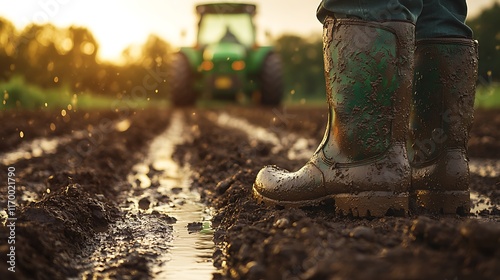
[
  {"x": 362, "y": 162},
  {"x": 441, "y": 117}
]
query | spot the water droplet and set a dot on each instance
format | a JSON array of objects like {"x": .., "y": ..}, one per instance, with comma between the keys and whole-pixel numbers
[
  {"x": 74, "y": 99},
  {"x": 123, "y": 125}
]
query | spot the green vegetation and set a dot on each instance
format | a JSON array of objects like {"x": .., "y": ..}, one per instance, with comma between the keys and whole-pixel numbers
[
  {"x": 486, "y": 31},
  {"x": 65, "y": 59},
  {"x": 18, "y": 94},
  {"x": 303, "y": 66},
  {"x": 488, "y": 97}
]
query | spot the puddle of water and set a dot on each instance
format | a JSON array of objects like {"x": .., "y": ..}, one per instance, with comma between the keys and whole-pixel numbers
[
  {"x": 189, "y": 254},
  {"x": 485, "y": 167},
  {"x": 159, "y": 208},
  {"x": 480, "y": 203}
]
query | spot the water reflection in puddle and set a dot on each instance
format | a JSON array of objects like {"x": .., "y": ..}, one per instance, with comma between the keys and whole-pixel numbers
[
  {"x": 164, "y": 185},
  {"x": 33, "y": 149},
  {"x": 480, "y": 203},
  {"x": 158, "y": 214},
  {"x": 190, "y": 252},
  {"x": 485, "y": 167}
]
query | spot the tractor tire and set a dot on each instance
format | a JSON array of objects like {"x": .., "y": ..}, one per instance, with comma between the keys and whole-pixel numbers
[
  {"x": 181, "y": 81},
  {"x": 271, "y": 79}
]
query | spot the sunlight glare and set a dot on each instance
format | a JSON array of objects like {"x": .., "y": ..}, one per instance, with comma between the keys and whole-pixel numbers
[{"x": 119, "y": 24}]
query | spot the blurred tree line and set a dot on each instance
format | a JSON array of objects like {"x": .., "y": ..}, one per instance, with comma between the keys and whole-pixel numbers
[
  {"x": 486, "y": 29},
  {"x": 48, "y": 57},
  {"x": 303, "y": 64}
]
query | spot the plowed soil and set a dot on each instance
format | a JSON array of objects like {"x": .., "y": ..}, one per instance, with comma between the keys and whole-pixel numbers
[{"x": 66, "y": 196}]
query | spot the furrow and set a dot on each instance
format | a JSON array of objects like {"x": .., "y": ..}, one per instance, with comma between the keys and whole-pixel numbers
[{"x": 164, "y": 224}]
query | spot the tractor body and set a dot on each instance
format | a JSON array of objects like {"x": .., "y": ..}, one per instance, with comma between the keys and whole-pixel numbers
[{"x": 226, "y": 62}]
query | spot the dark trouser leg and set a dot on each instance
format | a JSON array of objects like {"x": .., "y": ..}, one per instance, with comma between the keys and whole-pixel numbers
[
  {"x": 443, "y": 18},
  {"x": 371, "y": 10}
]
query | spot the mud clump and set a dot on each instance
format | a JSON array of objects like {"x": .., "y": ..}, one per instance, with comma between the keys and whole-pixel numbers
[
  {"x": 144, "y": 203},
  {"x": 57, "y": 226},
  {"x": 194, "y": 227}
]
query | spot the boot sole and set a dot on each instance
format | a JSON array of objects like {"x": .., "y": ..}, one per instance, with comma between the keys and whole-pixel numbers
[
  {"x": 363, "y": 204},
  {"x": 441, "y": 202}
]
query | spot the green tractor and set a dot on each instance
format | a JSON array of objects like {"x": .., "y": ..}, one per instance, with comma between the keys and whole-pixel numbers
[{"x": 226, "y": 62}]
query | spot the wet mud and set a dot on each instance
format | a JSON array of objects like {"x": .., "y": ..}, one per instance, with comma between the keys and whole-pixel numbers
[
  {"x": 64, "y": 199},
  {"x": 259, "y": 242},
  {"x": 78, "y": 200}
]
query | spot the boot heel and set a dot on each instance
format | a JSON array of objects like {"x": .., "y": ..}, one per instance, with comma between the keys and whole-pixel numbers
[
  {"x": 372, "y": 204},
  {"x": 443, "y": 202}
]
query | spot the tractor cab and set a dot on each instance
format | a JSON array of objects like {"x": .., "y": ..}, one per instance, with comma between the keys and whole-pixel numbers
[
  {"x": 226, "y": 63},
  {"x": 226, "y": 22}
]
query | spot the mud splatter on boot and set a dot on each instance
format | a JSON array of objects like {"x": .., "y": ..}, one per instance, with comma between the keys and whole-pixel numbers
[
  {"x": 361, "y": 164},
  {"x": 442, "y": 113}
]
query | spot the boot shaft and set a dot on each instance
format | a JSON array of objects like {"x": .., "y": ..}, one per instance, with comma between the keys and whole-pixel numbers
[
  {"x": 368, "y": 72},
  {"x": 362, "y": 162},
  {"x": 443, "y": 97}
]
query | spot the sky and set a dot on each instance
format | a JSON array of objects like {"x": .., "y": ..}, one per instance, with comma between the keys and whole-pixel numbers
[{"x": 116, "y": 24}]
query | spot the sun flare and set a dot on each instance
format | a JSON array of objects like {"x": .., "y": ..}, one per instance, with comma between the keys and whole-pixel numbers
[{"x": 117, "y": 24}]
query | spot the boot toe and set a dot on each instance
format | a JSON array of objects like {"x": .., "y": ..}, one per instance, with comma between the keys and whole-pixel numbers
[{"x": 277, "y": 185}]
